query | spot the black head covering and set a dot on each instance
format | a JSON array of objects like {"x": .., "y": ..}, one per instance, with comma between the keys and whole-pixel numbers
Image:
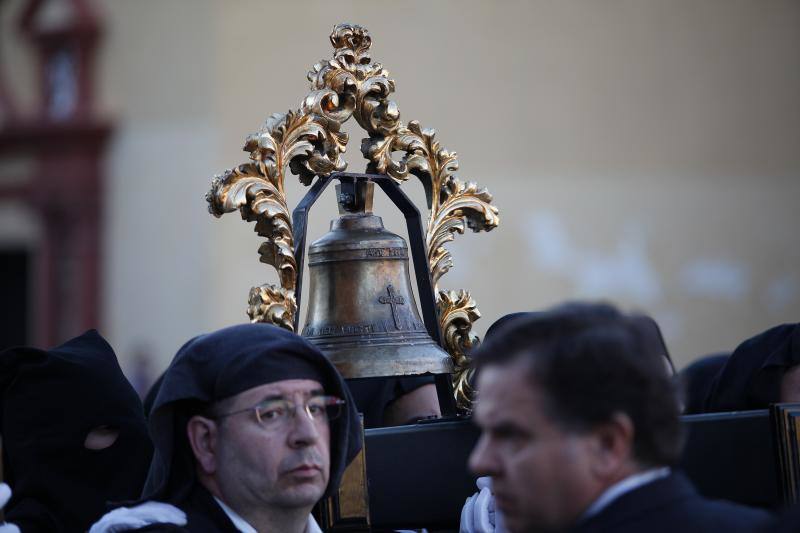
[
  {"x": 751, "y": 378},
  {"x": 696, "y": 380},
  {"x": 212, "y": 367},
  {"x": 51, "y": 400},
  {"x": 503, "y": 321},
  {"x": 651, "y": 337}
]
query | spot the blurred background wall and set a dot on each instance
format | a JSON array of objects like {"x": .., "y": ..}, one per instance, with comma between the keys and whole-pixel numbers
[{"x": 645, "y": 152}]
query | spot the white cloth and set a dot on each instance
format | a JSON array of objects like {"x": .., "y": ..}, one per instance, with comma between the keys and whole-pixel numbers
[
  {"x": 312, "y": 526},
  {"x": 5, "y": 495},
  {"x": 622, "y": 487},
  {"x": 479, "y": 514},
  {"x": 127, "y": 518},
  {"x": 242, "y": 525}
]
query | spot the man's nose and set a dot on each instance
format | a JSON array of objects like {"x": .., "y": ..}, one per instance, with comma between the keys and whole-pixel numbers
[
  {"x": 482, "y": 460},
  {"x": 304, "y": 430}
]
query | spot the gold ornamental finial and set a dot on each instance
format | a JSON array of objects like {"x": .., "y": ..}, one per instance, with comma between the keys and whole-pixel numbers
[
  {"x": 351, "y": 44},
  {"x": 309, "y": 142}
]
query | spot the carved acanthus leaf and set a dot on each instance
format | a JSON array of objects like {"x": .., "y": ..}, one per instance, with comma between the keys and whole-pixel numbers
[
  {"x": 259, "y": 200},
  {"x": 272, "y": 305},
  {"x": 454, "y": 205},
  {"x": 309, "y": 144},
  {"x": 457, "y": 312},
  {"x": 460, "y": 205}
]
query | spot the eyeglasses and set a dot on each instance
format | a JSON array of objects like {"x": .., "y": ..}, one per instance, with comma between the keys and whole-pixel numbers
[{"x": 275, "y": 414}]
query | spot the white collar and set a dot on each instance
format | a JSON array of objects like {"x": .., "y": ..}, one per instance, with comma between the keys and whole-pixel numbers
[
  {"x": 626, "y": 485},
  {"x": 312, "y": 526},
  {"x": 244, "y": 527},
  {"x": 238, "y": 522}
]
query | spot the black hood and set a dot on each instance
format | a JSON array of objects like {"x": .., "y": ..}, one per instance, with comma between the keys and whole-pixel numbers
[
  {"x": 212, "y": 367},
  {"x": 751, "y": 377},
  {"x": 50, "y": 402}
]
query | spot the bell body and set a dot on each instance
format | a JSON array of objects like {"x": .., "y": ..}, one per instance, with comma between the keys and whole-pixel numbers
[{"x": 361, "y": 310}]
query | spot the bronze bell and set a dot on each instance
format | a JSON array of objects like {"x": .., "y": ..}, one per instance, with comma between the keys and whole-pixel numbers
[{"x": 361, "y": 311}]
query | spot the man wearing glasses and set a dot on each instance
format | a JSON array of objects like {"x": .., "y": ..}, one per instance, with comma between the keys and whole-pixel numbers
[{"x": 252, "y": 425}]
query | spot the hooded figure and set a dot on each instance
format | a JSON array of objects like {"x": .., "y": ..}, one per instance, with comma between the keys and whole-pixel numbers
[
  {"x": 222, "y": 367},
  {"x": 652, "y": 340},
  {"x": 61, "y": 410},
  {"x": 697, "y": 378},
  {"x": 753, "y": 376}
]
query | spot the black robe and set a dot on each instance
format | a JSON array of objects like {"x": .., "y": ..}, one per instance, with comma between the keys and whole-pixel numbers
[{"x": 673, "y": 505}]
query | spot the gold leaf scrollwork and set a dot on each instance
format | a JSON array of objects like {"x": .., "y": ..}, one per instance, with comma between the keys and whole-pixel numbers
[
  {"x": 363, "y": 90},
  {"x": 304, "y": 142},
  {"x": 457, "y": 312},
  {"x": 454, "y": 206},
  {"x": 273, "y": 305},
  {"x": 309, "y": 142}
]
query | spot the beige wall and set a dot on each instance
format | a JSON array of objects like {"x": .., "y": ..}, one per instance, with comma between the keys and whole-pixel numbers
[{"x": 643, "y": 151}]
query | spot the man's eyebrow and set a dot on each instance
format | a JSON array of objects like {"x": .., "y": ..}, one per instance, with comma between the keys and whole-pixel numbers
[
  {"x": 508, "y": 427},
  {"x": 272, "y": 397}
]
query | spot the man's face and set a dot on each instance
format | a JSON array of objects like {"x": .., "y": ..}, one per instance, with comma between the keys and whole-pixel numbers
[
  {"x": 541, "y": 474},
  {"x": 286, "y": 467}
]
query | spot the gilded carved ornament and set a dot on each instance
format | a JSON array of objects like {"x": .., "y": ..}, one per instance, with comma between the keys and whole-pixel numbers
[{"x": 309, "y": 142}]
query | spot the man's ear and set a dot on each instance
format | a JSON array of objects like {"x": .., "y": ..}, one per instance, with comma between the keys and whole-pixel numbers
[
  {"x": 202, "y": 433},
  {"x": 613, "y": 447}
]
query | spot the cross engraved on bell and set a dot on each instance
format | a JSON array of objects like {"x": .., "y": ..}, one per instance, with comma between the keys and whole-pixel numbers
[{"x": 393, "y": 300}]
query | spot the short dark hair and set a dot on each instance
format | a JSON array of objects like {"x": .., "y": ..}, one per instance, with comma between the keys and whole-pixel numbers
[{"x": 591, "y": 361}]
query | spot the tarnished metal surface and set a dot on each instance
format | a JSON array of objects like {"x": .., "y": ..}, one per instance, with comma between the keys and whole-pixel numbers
[{"x": 361, "y": 309}]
